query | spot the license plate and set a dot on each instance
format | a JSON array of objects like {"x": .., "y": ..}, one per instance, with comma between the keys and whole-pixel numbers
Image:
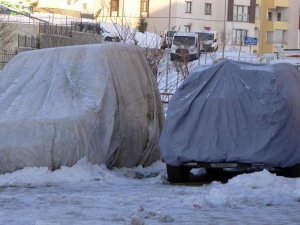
[{"x": 223, "y": 165}]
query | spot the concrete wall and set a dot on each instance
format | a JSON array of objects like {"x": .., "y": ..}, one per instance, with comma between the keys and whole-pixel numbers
[
  {"x": 46, "y": 41},
  {"x": 22, "y": 29}
]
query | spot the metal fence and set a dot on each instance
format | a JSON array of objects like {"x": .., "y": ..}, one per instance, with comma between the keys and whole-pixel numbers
[
  {"x": 28, "y": 41},
  {"x": 5, "y": 57},
  {"x": 59, "y": 30},
  {"x": 243, "y": 58},
  {"x": 67, "y": 29}
]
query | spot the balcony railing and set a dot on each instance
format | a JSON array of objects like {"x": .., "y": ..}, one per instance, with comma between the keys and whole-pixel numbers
[
  {"x": 279, "y": 3},
  {"x": 276, "y": 42},
  {"x": 277, "y": 25}
]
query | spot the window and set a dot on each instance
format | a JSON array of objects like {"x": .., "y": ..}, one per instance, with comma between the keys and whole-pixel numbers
[
  {"x": 278, "y": 16},
  {"x": 207, "y": 9},
  {"x": 144, "y": 8},
  {"x": 187, "y": 28},
  {"x": 207, "y": 28},
  {"x": 188, "y": 7},
  {"x": 270, "y": 16},
  {"x": 68, "y": 2},
  {"x": 240, "y": 13},
  {"x": 84, "y": 5},
  {"x": 270, "y": 37},
  {"x": 114, "y": 6},
  {"x": 238, "y": 36}
]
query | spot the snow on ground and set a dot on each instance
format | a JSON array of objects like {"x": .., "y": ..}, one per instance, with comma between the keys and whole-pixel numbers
[{"x": 88, "y": 194}]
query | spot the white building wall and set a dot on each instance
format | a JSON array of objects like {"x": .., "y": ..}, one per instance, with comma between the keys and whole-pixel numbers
[
  {"x": 158, "y": 20},
  {"x": 293, "y": 23},
  {"x": 197, "y": 18}
]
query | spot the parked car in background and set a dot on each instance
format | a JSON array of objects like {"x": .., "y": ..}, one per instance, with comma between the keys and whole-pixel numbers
[{"x": 291, "y": 56}]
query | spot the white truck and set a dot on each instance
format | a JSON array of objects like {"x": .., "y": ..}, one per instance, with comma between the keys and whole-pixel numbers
[
  {"x": 208, "y": 40},
  {"x": 185, "y": 46}
]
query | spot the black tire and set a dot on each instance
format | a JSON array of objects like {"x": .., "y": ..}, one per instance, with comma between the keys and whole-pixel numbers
[
  {"x": 108, "y": 39},
  {"x": 178, "y": 174},
  {"x": 293, "y": 171},
  {"x": 214, "y": 171}
]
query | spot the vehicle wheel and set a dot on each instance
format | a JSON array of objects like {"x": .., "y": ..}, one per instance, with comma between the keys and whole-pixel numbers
[
  {"x": 178, "y": 174},
  {"x": 293, "y": 171},
  {"x": 172, "y": 57},
  {"x": 108, "y": 39}
]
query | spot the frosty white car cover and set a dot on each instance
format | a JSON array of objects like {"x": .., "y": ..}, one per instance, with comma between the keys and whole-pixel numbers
[
  {"x": 62, "y": 104},
  {"x": 235, "y": 112}
]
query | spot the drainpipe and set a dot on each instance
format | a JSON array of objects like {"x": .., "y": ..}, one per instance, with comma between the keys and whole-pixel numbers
[
  {"x": 224, "y": 28},
  {"x": 168, "y": 48}
]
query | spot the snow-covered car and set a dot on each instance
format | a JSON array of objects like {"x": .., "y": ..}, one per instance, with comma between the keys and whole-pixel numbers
[{"x": 234, "y": 115}]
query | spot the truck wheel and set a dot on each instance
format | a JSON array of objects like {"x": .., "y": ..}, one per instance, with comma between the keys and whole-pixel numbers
[
  {"x": 177, "y": 174},
  {"x": 108, "y": 39},
  {"x": 172, "y": 57}
]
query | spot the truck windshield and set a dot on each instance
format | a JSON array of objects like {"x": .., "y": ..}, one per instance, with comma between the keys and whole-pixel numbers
[
  {"x": 184, "y": 40},
  {"x": 206, "y": 36}
]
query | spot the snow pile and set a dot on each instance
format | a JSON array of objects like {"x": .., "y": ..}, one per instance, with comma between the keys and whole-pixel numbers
[
  {"x": 91, "y": 194},
  {"x": 260, "y": 188}
]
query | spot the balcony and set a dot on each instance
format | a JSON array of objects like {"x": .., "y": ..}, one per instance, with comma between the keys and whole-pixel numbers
[
  {"x": 279, "y": 3},
  {"x": 276, "y": 25}
]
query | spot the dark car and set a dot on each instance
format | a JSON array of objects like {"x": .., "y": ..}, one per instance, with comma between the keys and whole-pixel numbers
[{"x": 234, "y": 115}]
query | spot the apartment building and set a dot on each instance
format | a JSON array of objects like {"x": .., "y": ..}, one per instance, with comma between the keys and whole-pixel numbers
[
  {"x": 233, "y": 18},
  {"x": 272, "y": 22},
  {"x": 277, "y": 23}
]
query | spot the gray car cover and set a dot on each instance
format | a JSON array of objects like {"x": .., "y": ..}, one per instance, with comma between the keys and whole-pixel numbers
[
  {"x": 63, "y": 104},
  {"x": 235, "y": 112}
]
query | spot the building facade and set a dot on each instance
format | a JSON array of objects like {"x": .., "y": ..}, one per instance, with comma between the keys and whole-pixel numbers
[
  {"x": 277, "y": 24},
  {"x": 232, "y": 19},
  {"x": 271, "y": 22}
]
